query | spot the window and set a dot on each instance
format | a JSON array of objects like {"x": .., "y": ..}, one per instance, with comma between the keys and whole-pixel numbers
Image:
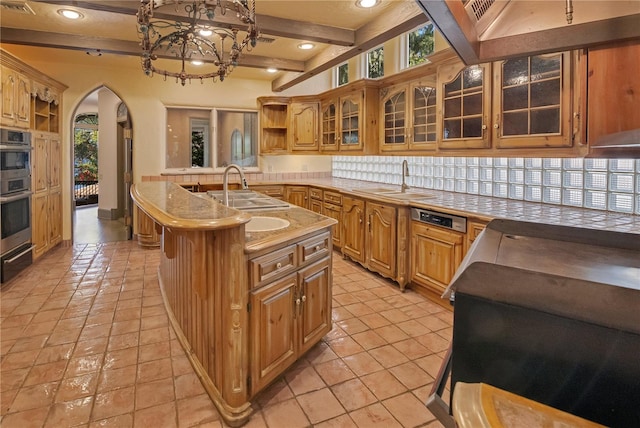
[
  {"x": 190, "y": 142},
  {"x": 342, "y": 72},
  {"x": 419, "y": 45},
  {"x": 375, "y": 63},
  {"x": 85, "y": 151}
]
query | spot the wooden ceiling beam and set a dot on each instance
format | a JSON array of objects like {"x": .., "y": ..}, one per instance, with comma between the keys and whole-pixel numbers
[
  {"x": 123, "y": 47},
  {"x": 268, "y": 25},
  {"x": 406, "y": 16}
]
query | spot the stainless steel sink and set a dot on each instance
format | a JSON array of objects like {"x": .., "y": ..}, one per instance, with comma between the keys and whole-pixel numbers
[
  {"x": 394, "y": 194},
  {"x": 248, "y": 200}
]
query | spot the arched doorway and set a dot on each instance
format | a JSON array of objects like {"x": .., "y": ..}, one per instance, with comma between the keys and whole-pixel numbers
[{"x": 102, "y": 169}]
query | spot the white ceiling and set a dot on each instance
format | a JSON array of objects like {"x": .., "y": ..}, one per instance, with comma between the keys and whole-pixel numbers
[{"x": 288, "y": 22}]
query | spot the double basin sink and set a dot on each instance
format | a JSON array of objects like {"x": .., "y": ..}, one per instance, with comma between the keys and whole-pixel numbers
[
  {"x": 248, "y": 200},
  {"x": 394, "y": 194}
]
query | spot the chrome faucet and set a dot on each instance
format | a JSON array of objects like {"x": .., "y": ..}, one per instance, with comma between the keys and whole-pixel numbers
[
  {"x": 225, "y": 182},
  {"x": 405, "y": 174}
]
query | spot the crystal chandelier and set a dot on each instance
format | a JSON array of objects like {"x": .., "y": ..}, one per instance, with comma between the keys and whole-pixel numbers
[{"x": 196, "y": 38}]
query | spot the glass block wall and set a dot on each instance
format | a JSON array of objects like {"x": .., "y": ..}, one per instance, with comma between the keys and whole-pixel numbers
[{"x": 601, "y": 184}]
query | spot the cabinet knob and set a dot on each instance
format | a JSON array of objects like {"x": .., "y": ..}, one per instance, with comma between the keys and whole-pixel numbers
[
  {"x": 297, "y": 302},
  {"x": 317, "y": 248},
  {"x": 278, "y": 265},
  {"x": 496, "y": 126},
  {"x": 304, "y": 299}
]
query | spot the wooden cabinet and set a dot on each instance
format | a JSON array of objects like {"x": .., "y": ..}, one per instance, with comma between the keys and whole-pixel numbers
[
  {"x": 291, "y": 314},
  {"x": 332, "y": 207},
  {"x": 436, "y": 253},
  {"x": 349, "y": 119},
  {"x": 45, "y": 108},
  {"x": 47, "y": 193},
  {"x": 16, "y": 98},
  {"x": 381, "y": 238},
  {"x": 465, "y": 105},
  {"x": 305, "y": 126},
  {"x": 274, "y": 125},
  {"x": 315, "y": 199},
  {"x": 297, "y": 195},
  {"x": 532, "y": 102},
  {"x": 408, "y": 117},
  {"x": 376, "y": 236},
  {"x": 474, "y": 228},
  {"x": 273, "y": 190},
  {"x": 613, "y": 95},
  {"x": 353, "y": 231}
]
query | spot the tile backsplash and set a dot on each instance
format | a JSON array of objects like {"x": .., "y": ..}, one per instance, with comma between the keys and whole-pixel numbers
[{"x": 601, "y": 184}]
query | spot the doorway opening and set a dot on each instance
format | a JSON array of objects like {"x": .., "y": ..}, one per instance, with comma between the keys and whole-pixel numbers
[{"x": 102, "y": 169}]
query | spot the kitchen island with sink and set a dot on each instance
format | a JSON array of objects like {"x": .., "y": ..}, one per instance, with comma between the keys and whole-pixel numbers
[{"x": 247, "y": 292}]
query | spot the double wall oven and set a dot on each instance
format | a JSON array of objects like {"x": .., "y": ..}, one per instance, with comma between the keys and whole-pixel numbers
[{"x": 15, "y": 202}]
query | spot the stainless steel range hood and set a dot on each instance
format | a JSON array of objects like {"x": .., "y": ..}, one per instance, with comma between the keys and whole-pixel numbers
[{"x": 489, "y": 30}]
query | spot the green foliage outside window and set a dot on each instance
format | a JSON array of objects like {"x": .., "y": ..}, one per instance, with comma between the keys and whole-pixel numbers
[
  {"x": 375, "y": 63},
  {"x": 343, "y": 74},
  {"x": 197, "y": 148},
  {"x": 420, "y": 45},
  {"x": 85, "y": 137}
]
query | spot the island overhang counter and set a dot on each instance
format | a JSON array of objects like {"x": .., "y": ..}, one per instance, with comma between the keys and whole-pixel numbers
[{"x": 244, "y": 305}]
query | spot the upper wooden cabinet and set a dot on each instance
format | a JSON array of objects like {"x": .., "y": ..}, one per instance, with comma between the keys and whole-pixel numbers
[
  {"x": 532, "y": 101},
  {"x": 16, "y": 96},
  {"x": 349, "y": 119},
  {"x": 305, "y": 126},
  {"x": 408, "y": 117},
  {"x": 274, "y": 125},
  {"x": 465, "y": 106},
  {"x": 45, "y": 108}
]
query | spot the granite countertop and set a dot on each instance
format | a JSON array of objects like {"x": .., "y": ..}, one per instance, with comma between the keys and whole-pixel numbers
[{"x": 172, "y": 206}]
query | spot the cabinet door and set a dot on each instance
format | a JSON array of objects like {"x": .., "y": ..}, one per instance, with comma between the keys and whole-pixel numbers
[
  {"x": 532, "y": 102},
  {"x": 315, "y": 205},
  {"x": 23, "y": 101},
  {"x": 8, "y": 87},
  {"x": 466, "y": 104},
  {"x": 335, "y": 212},
  {"x": 394, "y": 120},
  {"x": 474, "y": 228},
  {"x": 329, "y": 132},
  {"x": 423, "y": 132},
  {"x": 297, "y": 195},
  {"x": 381, "y": 239},
  {"x": 40, "y": 223},
  {"x": 273, "y": 332},
  {"x": 55, "y": 159},
  {"x": 40, "y": 163},
  {"x": 350, "y": 121},
  {"x": 314, "y": 320},
  {"x": 436, "y": 253},
  {"x": 55, "y": 217},
  {"x": 275, "y": 191},
  {"x": 304, "y": 122},
  {"x": 353, "y": 228}
]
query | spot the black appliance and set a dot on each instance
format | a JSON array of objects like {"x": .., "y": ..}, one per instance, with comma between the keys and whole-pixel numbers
[{"x": 549, "y": 313}]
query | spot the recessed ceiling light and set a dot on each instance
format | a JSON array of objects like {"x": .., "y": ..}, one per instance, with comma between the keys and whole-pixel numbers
[
  {"x": 367, "y": 3},
  {"x": 70, "y": 14},
  {"x": 272, "y": 70},
  {"x": 196, "y": 62},
  {"x": 306, "y": 46}
]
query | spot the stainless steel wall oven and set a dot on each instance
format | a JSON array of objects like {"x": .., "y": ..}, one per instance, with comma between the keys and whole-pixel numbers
[{"x": 15, "y": 202}]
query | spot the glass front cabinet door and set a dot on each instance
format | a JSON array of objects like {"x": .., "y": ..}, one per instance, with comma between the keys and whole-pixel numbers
[
  {"x": 350, "y": 117},
  {"x": 409, "y": 117},
  {"x": 466, "y": 103},
  {"x": 531, "y": 102},
  {"x": 329, "y": 139}
]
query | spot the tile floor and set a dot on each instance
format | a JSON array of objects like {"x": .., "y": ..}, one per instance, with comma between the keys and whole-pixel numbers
[
  {"x": 86, "y": 342},
  {"x": 89, "y": 229}
]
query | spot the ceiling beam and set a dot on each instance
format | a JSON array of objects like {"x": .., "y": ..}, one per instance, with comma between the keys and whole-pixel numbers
[
  {"x": 406, "y": 16},
  {"x": 270, "y": 25},
  {"x": 123, "y": 47}
]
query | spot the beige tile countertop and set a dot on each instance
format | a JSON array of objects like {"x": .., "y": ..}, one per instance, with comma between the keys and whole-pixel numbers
[{"x": 487, "y": 208}]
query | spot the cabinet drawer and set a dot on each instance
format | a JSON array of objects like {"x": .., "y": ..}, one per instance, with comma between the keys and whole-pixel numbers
[
  {"x": 273, "y": 191},
  {"x": 265, "y": 268},
  {"x": 332, "y": 197},
  {"x": 315, "y": 193},
  {"x": 314, "y": 248}
]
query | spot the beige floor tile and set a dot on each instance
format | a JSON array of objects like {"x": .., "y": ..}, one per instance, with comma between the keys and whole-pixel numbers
[
  {"x": 408, "y": 410},
  {"x": 77, "y": 387},
  {"x": 285, "y": 414},
  {"x": 163, "y": 415},
  {"x": 320, "y": 405},
  {"x": 383, "y": 384},
  {"x": 353, "y": 394},
  {"x": 343, "y": 421},
  {"x": 45, "y": 373},
  {"x": 69, "y": 413},
  {"x": 388, "y": 356},
  {"x": 197, "y": 410},
  {"x": 188, "y": 385},
  {"x": 304, "y": 379},
  {"x": 411, "y": 375},
  {"x": 345, "y": 346},
  {"x": 33, "y": 418},
  {"x": 111, "y": 379},
  {"x": 32, "y": 397},
  {"x": 362, "y": 363},
  {"x": 374, "y": 416},
  {"x": 154, "y": 393},
  {"x": 369, "y": 339},
  {"x": 334, "y": 371}
]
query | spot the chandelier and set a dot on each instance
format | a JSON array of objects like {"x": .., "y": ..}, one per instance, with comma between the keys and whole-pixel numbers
[{"x": 195, "y": 39}]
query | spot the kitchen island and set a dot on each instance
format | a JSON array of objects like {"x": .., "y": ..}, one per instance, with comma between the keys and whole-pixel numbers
[{"x": 244, "y": 305}]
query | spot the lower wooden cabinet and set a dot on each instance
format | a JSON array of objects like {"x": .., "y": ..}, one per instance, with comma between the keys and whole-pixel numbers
[
  {"x": 436, "y": 253},
  {"x": 474, "y": 228},
  {"x": 297, "y": 195},
  {"x": 273, "y": 190},
  {"x": 376, "y": 236},
  {"x": 288, "y": 316}
]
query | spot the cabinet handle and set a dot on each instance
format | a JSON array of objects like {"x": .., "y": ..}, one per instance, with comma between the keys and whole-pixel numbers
[
  {"x": 304, "y": 299},
  {"x": 317, "y": 248},
  {"x": 497, "y": 124},
  {"x": 278, "y": 265},
  {"x": 298, "y": 302}
]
